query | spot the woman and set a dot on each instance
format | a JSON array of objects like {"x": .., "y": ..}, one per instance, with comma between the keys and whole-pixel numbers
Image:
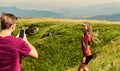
[{"x": 87, "y": 38}]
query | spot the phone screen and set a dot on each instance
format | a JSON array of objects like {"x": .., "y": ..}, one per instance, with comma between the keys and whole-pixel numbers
[{"x": 21, "y": 33}]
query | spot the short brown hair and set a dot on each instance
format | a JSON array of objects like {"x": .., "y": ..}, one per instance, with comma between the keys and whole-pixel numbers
[{"x": 7, "y": 20}]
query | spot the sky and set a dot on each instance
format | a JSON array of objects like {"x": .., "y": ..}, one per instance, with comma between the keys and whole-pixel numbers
[{"x": 53, "y": 4}]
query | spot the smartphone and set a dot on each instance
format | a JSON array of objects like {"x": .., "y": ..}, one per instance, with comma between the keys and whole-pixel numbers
[{"x": 21, "y": 33}]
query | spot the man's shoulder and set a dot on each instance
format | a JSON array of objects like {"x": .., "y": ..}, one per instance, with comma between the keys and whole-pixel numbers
[{"x": 14, "y": 39}]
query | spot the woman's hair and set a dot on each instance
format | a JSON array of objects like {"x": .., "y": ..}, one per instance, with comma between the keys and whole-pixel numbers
[
  {"x": 7, "y": 20},
  {"x": 89, "y": 29}
]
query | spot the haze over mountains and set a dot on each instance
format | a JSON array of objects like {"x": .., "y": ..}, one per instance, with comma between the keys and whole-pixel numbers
[
  {"x": 28, "y": 13},
  {"x": 109, "y": 11}
]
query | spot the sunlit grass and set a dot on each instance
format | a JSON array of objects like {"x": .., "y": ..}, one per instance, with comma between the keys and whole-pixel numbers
[{"x": 61, "y": 50}]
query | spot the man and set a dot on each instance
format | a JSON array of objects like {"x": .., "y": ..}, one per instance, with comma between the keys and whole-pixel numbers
[{"x": 11, "y": 47}]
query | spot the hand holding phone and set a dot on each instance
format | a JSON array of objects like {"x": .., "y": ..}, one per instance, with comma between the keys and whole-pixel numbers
[{"x": 21, "y": 33}]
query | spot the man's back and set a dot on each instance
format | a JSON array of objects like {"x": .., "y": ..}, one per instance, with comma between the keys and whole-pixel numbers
[{"x": 10, "y": 49}]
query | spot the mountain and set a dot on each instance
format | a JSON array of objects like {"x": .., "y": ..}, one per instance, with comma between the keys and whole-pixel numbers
[
  {"x": 115, "y": 17},
  {"x": 93, "y": 10},
  {"x": 29, "y": 13},
  {"x": 107, "y": 11}
]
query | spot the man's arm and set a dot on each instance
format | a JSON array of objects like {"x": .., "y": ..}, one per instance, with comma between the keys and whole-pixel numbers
[{"x": 33, "y": 53}]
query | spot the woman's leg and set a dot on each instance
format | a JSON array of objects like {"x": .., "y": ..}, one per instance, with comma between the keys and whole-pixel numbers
[
  {"x": 88, "y": 58},
  {"x": 82, "y": 65},
  {"x": 85, "y": 69}
]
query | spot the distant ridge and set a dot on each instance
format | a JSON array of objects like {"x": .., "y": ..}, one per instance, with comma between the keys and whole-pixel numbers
[
  {"x": 109, "y": 12},
  {"x": 115, "y": 17},
  {"x": 29, "y": 13}
]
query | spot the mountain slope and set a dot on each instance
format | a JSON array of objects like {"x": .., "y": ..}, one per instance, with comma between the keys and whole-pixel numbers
[
  {"x": 61, "y": 50},
  {"x": 115, "y": 17},
  {"x": 29, "y": 13},
  {"x": 74, "y": 13},
  {"x": 89, "y": 11}
]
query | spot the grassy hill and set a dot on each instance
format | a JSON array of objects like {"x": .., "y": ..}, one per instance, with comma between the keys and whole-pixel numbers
[
  {"x": 107, "y": 58},
  {"x": 61, "y": 50}
]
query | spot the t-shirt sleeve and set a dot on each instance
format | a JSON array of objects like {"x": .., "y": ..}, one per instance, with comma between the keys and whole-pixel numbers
[
  {"x": 24, "y": 48},
  {"x": 89, "y": 38}
]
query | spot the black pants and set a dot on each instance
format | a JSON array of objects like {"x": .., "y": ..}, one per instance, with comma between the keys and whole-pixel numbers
[{"x": 88, "y": 58}]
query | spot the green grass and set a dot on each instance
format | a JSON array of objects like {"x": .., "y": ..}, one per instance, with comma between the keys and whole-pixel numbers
[
  {"x": 108, "y": 58},
  {"x": 61, "y": 51}
]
